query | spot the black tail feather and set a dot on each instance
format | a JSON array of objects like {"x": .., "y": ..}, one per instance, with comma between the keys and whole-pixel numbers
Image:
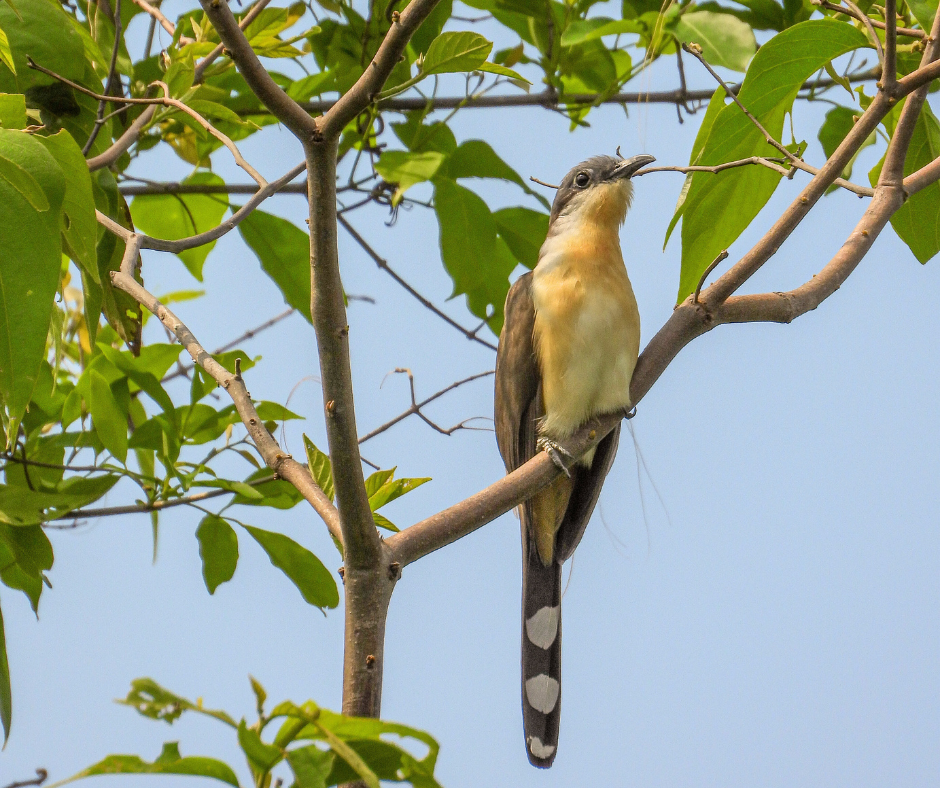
[{"x": 541, "y": 656}]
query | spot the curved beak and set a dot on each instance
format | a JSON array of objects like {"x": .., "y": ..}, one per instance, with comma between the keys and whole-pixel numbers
[{"x": 628, "y": 167}]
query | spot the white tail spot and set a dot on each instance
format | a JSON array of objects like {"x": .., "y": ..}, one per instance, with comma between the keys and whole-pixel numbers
[
  {"x": 542, "y": 628},
  {"x": 542, "y": 692},
  {"x": 538, "y": 749}
]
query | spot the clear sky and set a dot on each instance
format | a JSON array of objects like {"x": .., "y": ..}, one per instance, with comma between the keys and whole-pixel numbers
[{"x": 779, "y": 627}]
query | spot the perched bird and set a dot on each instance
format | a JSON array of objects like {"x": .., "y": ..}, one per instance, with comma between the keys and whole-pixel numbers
[{"x": 567, "y": 351}]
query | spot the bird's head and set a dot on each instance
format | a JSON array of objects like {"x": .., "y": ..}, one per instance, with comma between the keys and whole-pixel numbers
[{"x": 597, "y": 190}]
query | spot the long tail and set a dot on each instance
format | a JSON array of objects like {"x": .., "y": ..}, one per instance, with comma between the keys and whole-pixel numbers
[{"x": 541, "y": 655}]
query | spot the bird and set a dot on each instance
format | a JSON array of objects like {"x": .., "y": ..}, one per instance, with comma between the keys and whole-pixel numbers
[{"x": 567, "y": 351}]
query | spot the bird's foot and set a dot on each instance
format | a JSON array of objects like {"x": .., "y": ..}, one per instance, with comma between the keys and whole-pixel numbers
[
  {"x": 555, "y": 451},
  {"x": 629, "y": 413}
]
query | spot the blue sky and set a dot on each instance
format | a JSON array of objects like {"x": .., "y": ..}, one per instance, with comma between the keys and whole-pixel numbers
[{"x": 778, "y": 627}]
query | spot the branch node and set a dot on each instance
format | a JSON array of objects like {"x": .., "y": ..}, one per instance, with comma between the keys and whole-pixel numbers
[
  {"x": 342, "y": 332},
  {"x": 370, "y": 661},
  {"x": 342, "y": 574},
  {"x": 330, "y": 408},
  {"x": 238, "y": 371},
  {"x": 394, "y": 571}
]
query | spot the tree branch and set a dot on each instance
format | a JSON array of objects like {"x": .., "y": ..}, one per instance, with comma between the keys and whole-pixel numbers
[
  {"x": 146, "y": 242},
  {"x": 902, "y": 31},
  {"x": 209, "y": 59},
  {"x": 863, "y": 18},
  {"x": 249, "y": 334},
  {"x": 123, "y": 143},
  {"x": 282, "y": 464},
  {"x": 415, "y": 409},
  {"x": 552, "y": 99},
  {"x": 383, "y": 265},
  {"x": 282, "y": 106},
  {"x": 109, "y": 83},
  {"x": 360, "y": 538},
  {"x": 687, "y": 322}
]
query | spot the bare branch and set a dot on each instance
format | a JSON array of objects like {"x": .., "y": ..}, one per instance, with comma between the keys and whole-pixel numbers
[
  {"x": 159, "y": 16},
  {"x": 722, "y": 256},
  {"x": 902, "y": 31},
  {"x": 551, "y": 99},
  {"x": 863, "y": 18},
  {"x": 282, "y": 106},
  {"x": 109, "y": 83},
  {"x": 383, "y": 264},
  {"x": 166, "y": 101},
  {"x": 168, "y": 187},
  {"x": 890, "y": 74},
  {"x": 360, "y": 538},
  {"x": 146, "y": 242},
  {"x": 282, "y": 464},
  {"x": 249, "y": 334},
  {"x": 123, "y": 143},
  {"x": 39, "y": 779},
  {"x": 209, "y": 59},
  {"x": 415, "y": 409}
]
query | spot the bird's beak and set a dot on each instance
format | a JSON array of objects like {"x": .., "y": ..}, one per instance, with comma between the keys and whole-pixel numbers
[{"x": 628, "y": 167}]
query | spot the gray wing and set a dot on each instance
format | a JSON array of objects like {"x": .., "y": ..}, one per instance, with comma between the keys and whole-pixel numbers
[{"x": 517, "y": 377}]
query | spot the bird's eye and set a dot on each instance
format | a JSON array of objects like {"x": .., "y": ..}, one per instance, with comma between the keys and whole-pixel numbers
[{"x": 582, "y": 180}]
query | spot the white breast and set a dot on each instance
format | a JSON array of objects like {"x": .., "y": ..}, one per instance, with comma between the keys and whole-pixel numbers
[{"x": 587, "y": 332}]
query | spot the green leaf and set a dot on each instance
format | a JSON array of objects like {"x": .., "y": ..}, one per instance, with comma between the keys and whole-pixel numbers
[
  {"x": 79, "y": 226},
  {"x": 582, "y": 30},
  {"x": 468, "y": 234},
  {"x": 14, "y": 160},
  {"x": 719, "y": 207},
  {"x": 42, "y": 30},
  {"x": 6, "y": 56},
  {"x": 716, "y": 105},
  {"x": 476, "y": 159},
  {"x": 175, "y": 216},
  {"x": 524, "y": 231},
  {"x": 835, "y": 128},
  {"x": 13, "y": 111},
  {"x": 496, "y": 68},
  {"x": 158, "y": 703},
  {"x": 284, "y": 253},
  {"x": 6, "y": 697},
  {"x": 478, "y": 262},
  {"x": 303, "y": 568},
  {"x": 169, "y": 762},
  {"x": 25, "y": 554},
  {"x": 381, "y": 521},
  {"x": 272, "y": 411},
  {"x": 320, "y": 467},
  {"x": 262, "y": 757},
  {"x": 725, "y": 40},
  {"x": 451, "y": 52},
  {"x": 218, "y": 549},
  {"x": 391, "y": 489},
  {"x": 30, "y": 266},
  {"x": 310, "y": 765},
  {"x": 406, "y": 168},
  {"x": 917, "y": 222},
  {"x": 110, "y": 419},
  {"x": 924, "y": 11},
  {"x": 22, "y": 506}
]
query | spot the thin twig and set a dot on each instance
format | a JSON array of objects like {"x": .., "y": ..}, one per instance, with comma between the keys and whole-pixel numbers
[
  {"x": 109, "y": 83},
  {"x": 902, "y": 31},
  {"x": 146, "y": 242},
  {"x": 890, "y": 75},
  {"x": 542, "y": 183},
  {"x": 722, "y": 256},
  {"x": 863, "y": 18},
  {"x": 184, "y": 370},
  {"x": 158, "y": 15},
  {"x": 416, "y": 406},
  {"x": 124, "y": 142},
  {"x": 765, "y": 161},
  {"x": 696, "y": 52},
  {"x": 39, "y": 779},
  {"x": 383, "y": 264}
]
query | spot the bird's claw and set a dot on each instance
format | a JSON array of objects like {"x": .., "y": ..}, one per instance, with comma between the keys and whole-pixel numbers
[
  {"x": 553, "y": 450},
  {"x": 629, "y": 414}
]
